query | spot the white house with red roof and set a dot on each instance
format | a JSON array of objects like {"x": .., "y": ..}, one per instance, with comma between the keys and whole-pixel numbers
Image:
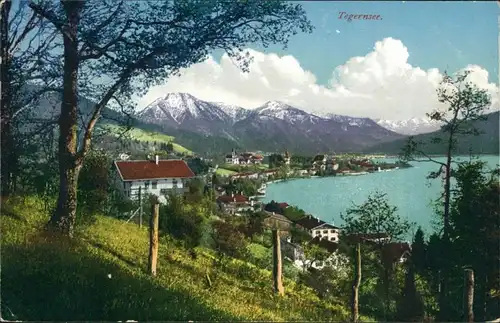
[
  {"x": 235, "y": 203},
  {"x": 158, "y": 177}
]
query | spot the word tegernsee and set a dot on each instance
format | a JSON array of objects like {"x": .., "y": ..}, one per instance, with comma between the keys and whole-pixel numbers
[{"x": 350, "y": 17}]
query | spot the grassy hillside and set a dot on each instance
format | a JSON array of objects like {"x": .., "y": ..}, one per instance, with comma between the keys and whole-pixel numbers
[
  {"x": 485, "y": 143},
  {"x": 149, "y": 136},
  {"x": 100, "y": 275}
]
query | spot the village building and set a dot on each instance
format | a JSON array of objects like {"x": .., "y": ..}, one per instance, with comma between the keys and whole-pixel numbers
[
  {"x": 234, "y": 204},
  {"x": 319, "y": 162},
  {"x": 158, "y": 177},
  {"x": 287, "y": 157},
  {"x": 232, "y": 158},
  {"x": 249, "y": 175},
  {"x": 278, "y": 221},
  {"x": 243, "y": 159},
  {"x": 396, "y": 252},
  {"x": 295, "y": 253},
  {"x": 318, "y": 228},
  {"x": 267, "y": 174}
]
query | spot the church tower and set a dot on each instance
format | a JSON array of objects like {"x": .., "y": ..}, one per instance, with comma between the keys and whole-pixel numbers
[{"x": 287, "y": 157}]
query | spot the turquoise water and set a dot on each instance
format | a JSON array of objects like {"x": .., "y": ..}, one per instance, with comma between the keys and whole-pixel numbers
[{"x": 407, "y": 189}]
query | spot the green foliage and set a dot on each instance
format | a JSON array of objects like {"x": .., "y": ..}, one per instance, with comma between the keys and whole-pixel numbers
[
  {"x": 410, "y": 306},
  {"x": 101, "y": 275},
  {"x": 182, "y": 223},
  {"x": 228, "y": 241},
  {"x": 94, "y": 183},
  {"x": 299, "y": 236},
  {"x": 301, "y": 161},
  {"x": 314, "y": 254},
  {"x": 293, "y": 213},
  {"x": 196, "y": 188},
  {"x": 137, "y": 135},
  {"x": 198, "y": 166},
  {"x": 253, "y": 224},
  {"x": 375, "y": 216},
  {"x": 419, "y": 252},
  {"x": 475, "y": 219},
  {"x": 276, "y": 160},
  {"x": 246, "y": 186}
]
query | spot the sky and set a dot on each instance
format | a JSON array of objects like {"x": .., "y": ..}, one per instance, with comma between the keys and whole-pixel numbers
[{"x": 388, "y": 68}]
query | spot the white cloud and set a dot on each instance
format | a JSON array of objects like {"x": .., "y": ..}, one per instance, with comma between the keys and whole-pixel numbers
[{"x": 380, "y": 84}]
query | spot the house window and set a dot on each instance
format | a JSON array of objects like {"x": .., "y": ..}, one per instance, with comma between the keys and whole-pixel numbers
[
  {"x": 174, "y": 183},
  {"x": 325, "y": 231},
  {"x": 146, "y": 184},
  {"x": 332, "y": 231},
  {"x": 154, "y": 185},
  {"x": 124, "y": 185}
]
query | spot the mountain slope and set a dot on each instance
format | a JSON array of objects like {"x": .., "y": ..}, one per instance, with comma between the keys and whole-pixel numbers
[
  {"x": 411, "y": 126},
  {"x": 485, "y": 143},
  {"x": 273, "y": 126}
]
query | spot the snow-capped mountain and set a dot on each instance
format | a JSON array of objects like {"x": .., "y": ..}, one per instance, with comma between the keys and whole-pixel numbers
[
  {"x": 285, "y": 112},
  {"x": 235, "y": 112},
  {"x": 411, "y": 126},
  {"x": 274, "y": 125}
]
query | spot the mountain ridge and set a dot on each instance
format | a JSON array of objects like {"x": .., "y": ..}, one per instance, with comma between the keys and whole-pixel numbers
[{"x": 273, "y": 126}]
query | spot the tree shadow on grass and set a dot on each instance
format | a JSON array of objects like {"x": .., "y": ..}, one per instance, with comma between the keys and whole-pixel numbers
[{"x": 68, "y": 280}]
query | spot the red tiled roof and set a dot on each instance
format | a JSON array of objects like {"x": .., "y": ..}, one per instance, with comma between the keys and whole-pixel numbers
[
  {"x": 309, "y": 222},
  {"x": 283, "y": 205},
  {"x": 238, "y": 198},
  {"x": 145, "y": 169}
]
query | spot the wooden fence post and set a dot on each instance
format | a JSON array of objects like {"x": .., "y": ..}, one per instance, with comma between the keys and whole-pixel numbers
[
  {"x": 153, "y": 236},
  {"x": 140, "y": 207},
  {"x": 277, "y": 266},
  {"x": 356, "y": 283},
  {"x": 469, "y": 295}
]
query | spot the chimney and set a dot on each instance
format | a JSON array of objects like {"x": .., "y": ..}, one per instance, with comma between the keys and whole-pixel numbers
[
  {"x": 157, "y": 159},
  {"x": 232, "y": 194},
  {"x": 274, "y": 214},
  {"x": 251, "y": 203},
  {"x": 234, "y": 199}
]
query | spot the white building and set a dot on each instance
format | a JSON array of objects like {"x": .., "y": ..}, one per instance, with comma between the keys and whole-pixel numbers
[
  {"x": 158, "y": 177},
  {"x": 295, "y": 253},
  {"x": 233, "y": 158},
  {"x": 318, "y": 228}
]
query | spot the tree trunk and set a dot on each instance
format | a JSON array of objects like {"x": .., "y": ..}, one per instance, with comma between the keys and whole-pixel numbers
[
  {"x": 469, "y": 295},
  {"x": 277, "y": 266},
  {"x": 5, "y": 101},
  {"x": 153, "y": 237},
  {"x": 387, "y": 282},
  {"x": 69, "y": 164},
  {"x": 356, "y": 284},
  {"x": 444, "y": 311}
]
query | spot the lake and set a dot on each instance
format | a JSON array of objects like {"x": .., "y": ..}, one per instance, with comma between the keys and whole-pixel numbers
[{"x": 408, "y": 189}]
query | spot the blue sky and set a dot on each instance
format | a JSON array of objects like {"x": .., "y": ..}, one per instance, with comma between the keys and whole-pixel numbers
[{"x": 444, "y": 35}]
